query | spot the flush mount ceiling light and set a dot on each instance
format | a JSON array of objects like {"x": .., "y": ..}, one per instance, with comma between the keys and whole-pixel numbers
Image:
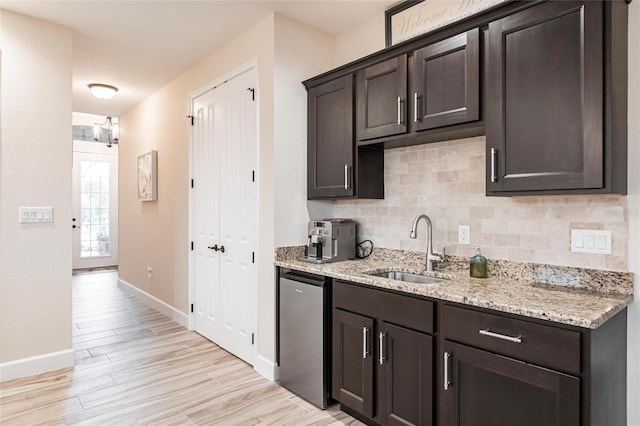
[{"x": 103, "y": 91}]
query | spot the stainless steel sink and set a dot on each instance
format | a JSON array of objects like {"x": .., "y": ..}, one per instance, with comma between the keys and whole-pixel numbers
[{"x": 408, "y": 277}]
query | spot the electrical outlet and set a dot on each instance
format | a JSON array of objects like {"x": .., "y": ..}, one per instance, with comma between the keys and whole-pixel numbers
[{"x": 464, "y": 235}]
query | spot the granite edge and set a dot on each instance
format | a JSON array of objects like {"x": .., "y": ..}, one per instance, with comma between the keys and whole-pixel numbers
[{"x": 517, "y": 274}]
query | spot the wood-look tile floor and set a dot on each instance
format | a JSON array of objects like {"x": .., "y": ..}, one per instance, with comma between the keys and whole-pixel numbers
[{"x": 135, "y": 366}]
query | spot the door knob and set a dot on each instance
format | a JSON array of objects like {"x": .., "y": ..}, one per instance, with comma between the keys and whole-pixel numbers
[
  {"x": 74, "y": 226},
  {"x": 222, "y": 249},
  {"x": 214, "y": 248}
]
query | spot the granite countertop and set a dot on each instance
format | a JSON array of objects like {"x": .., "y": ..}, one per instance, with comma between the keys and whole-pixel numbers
[{"x": 579, "y": 307}]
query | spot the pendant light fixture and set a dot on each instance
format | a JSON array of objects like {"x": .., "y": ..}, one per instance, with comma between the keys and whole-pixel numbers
[
  {"x": 103, "y": 91},
  {"x": 106, "y": 132}
]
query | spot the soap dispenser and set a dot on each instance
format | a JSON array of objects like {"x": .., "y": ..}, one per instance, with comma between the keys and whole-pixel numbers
[{"x": 478, "y": 265}]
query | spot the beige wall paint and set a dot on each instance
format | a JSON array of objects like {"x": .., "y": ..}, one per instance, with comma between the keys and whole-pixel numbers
[
  {"x": 35, "y": 170},
  {"x": 157, "y": 233},
  {"x": 360, "y": 40}
]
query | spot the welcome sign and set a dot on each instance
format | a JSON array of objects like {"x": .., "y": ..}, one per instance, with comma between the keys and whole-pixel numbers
[{"x": 413, "y": 18}]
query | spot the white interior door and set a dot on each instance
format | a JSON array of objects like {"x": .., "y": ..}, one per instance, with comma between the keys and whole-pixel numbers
[
  {"x": 224, "y": 215},
  {"x": 95, "y": 210}
]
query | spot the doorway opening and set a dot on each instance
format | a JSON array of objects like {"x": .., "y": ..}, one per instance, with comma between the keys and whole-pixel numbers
[{"x": 95, "y": 197}]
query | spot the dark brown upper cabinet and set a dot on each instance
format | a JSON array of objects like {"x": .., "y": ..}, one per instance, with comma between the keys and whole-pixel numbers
[
  {"x": 446, "y": 82},
  {"x": 382, "y": 99},
  {"x": 445, "y": 91},
  {"x": 336, "y": 169},
  {"x": 330, "y": 139},
  {"x": 556, "y": 99}
]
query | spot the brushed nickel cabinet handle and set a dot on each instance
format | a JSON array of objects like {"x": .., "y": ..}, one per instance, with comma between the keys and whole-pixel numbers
[
  {"x": 400, "y": 120},
  {"x": 512, "y": 339},
  {"x": 381, "y": 357},
  {"x": 494, "y": 174},
  {"x": 346, "y": 176},
  {"x": 447, "y": 356},
  {"x": 415, "y": 107},
  {"x": 365, "y": 346}
]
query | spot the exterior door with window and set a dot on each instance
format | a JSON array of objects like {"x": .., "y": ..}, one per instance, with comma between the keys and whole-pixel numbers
[{"x": 95, "y": 211}]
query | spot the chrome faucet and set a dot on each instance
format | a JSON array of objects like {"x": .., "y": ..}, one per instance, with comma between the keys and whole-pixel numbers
[{"x": 431, "y": 256}]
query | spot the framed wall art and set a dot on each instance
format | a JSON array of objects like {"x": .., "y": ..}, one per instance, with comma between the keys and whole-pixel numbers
[{"x": 148, "y": 176}]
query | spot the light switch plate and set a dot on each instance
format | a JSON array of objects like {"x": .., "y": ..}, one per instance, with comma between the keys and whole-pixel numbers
[
  {"x": 35, "y": 214},
  {"x": 594, "y": 241}
]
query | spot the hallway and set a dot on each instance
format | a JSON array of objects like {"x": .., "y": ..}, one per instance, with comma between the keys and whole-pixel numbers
[{"x": 135, "y": 366}]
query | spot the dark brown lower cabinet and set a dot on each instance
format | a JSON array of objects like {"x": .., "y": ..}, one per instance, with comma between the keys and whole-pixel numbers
[
  {"x": 405, "y": 367},
  {"x": 491, "y": 368},
  {"x": 382, "y": 371},
  {"x": 483, "y": 388},
  {"x": 353, "y": 361}
]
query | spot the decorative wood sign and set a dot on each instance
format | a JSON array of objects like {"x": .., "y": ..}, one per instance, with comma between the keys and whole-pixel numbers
[{"x": 414, "y": 17}]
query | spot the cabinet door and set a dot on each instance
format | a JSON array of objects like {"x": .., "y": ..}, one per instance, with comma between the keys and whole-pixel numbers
[
  {"x": 352, "y": 373},
  {"x": 488, "y": 389},
  {"x": 446, "y": 83},
  {"x": 544, "y": 99},
  {"x": 405, "y": 365},
  {"x": 330, "y": 139},
  {"x": 381, "y": 93}
]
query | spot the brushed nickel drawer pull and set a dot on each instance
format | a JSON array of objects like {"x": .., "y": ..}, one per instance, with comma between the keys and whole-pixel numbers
[{"x": 489, "y": 333}]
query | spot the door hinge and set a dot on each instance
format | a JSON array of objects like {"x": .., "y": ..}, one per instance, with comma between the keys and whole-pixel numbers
[
  {"x": 253, "y": 93},
  {"x": 192, "y": 245},
  {"x": 192, "y": 307},
  {"x": 253, "y": 257},
  {"x": 253, "y": 338},
  {"x": 192, "y": 183},
  {"x": 253, "y": 175},
  {"x": 192, "y": 118}
]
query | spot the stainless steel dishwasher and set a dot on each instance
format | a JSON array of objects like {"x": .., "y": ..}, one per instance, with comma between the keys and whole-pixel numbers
[{"x": 304, "y": 335}]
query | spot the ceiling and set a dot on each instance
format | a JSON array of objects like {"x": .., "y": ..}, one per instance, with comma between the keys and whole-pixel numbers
[{"x": 139, "y": 46}]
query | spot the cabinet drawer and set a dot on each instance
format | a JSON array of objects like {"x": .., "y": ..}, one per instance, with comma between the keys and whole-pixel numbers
[
  {"x": 397, "y": 309},
  {"x": 539, "y": 344}
]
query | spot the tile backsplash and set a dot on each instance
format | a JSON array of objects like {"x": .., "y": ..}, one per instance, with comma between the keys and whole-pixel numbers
[{"x": 446, "y": 180}]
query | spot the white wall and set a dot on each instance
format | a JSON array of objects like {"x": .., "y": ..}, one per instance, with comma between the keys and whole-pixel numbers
[
  {"x": 301, "y": 52},
  {"x": 633, "y": 324},
  {"x": 35, "y": 170}
]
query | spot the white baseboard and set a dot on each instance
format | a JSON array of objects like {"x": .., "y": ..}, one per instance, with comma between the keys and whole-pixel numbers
[
  {"x": 266, "y": 368},
  {"x": 36, "y": 364},
  {"x": 157, "y": 304}
]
